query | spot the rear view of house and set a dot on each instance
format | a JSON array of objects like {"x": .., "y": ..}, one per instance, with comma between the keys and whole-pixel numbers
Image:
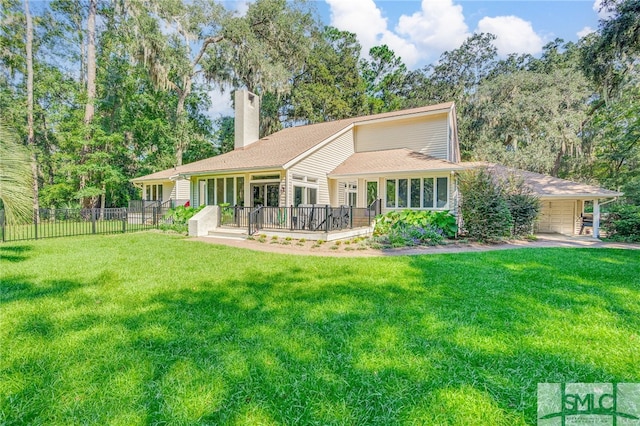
[{"x": 405, "y": 159}]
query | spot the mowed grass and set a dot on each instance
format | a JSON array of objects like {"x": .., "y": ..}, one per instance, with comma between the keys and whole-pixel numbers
[{"x": 151, "y": 328}]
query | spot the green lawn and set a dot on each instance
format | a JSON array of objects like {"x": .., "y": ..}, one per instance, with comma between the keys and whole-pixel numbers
[{"x": 151, "y": 328}]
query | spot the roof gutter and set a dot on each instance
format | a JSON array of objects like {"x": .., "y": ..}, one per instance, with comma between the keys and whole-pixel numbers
[
  {"x": 387, "y": 173},
  {"x": 578, "y": 196},
  {"x": 187, "y": 175}
]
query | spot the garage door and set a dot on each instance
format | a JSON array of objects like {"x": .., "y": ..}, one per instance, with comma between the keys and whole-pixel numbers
[{"x": 558, "y": 216}]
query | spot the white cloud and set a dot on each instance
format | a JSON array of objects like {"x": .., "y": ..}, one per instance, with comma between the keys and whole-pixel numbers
[
  {"x": 438, "y": 26},
  {"x": 401, "y": 47},
  {"x": 514, "y": 35},
  {"x": 603, "y": 13},
  {"x": 221, "y": 105},
  {"x": 361, "y": 17},
  {"x": 585, "y": 31}
]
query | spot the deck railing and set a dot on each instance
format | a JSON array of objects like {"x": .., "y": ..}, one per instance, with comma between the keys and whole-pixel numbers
[
  {"x": 306, "y": 217},
  {"x": 139, "y": 205},
  {"x": 234, "y": 216}
]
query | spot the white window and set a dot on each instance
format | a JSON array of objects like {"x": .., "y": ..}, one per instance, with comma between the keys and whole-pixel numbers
[
  {"x": 352, "y": 195},
  {"x": 154, "y": 193},
  {"x": 426, "y": 193},
  {"x": 304, "y": 195},
  {"x": 225, "y": 190}
]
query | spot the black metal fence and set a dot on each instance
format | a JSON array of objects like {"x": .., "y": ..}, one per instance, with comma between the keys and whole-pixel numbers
[
  {"x": 137, "y": 205},
  {"x": 309, "y": 217},
  {"x": 51, "y": 223}
]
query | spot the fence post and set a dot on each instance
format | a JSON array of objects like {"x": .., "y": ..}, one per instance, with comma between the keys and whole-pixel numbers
[
  {"x": 2, "y": 225},
  {"x": 93, "y": 221},
  {"x": 124, "y": 220},
  {"x": 155, "y": 216},
  {"x": 350, "y": 217},
  {"x": 35, "y": 221}
]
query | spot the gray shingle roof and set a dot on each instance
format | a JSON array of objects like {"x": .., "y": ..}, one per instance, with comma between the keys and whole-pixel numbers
[
  {"x": 546, "y": 186},
  {"x": 276, "y": 150},
  {"x": 391, "y": 161}
]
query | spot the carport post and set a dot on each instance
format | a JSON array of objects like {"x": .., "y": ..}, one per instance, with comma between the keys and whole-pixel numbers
[{"x": 596, "y": 219}]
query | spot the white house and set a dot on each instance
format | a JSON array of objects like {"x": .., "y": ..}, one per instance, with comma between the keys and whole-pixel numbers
[{"x": 408, "y": 159}]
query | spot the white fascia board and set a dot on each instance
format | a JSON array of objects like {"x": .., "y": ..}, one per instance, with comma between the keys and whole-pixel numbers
[
  {"x": 316, "y": 147},
  {"x": 404, "y": 116},
  {"x": 188, "y": 175},
  {"x": 576, "y": 196},
  {"x": 408, "y": 173},
  {"x": 153, "y": 180}
]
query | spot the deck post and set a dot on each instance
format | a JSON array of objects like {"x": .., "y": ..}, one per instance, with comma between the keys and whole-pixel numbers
[
  {"x": 596, "y": 219},
  {"x": 326, "y": 217},
  {"x": 350, "y": 217}
]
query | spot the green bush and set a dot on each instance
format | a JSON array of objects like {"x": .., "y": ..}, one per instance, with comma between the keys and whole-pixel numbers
[
  {"x": 178, "y": 218},
  {"x": 524, "y": 205},
  {"x": 623, "y": 223},
  {"x": 441, "y": 222},
  {"x": 485, "y": 212}
]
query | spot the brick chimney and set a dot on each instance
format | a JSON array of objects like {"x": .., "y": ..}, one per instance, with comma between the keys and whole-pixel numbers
[{"x": 247, "y": 120}]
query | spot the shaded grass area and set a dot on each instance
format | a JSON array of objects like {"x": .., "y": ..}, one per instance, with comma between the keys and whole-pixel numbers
[{"x": 153, "y": 329}]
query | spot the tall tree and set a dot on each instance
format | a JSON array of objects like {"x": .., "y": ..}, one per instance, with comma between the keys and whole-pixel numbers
[
  {"x": 385, "y": 76},
  {"x": 171, "y": 59},
  {"x": 330, "y": 86},
  {"x": 532, "y": 120},
  {"x": 611, "y": 55},
  {"x": 30, "y": 130}
]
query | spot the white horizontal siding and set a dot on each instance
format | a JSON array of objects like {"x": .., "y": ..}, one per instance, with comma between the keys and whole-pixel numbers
[
  {"x": 181, "y": 190},
  {"x": 427, "y": 135},
  {"x": 321, "y": 162}
]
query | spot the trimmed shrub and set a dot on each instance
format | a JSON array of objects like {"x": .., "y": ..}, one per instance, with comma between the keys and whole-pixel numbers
[
  {"x": 523, "y": 204},
  {"x": 623, "y": 223},
  {"x": 485, "y": 212}
]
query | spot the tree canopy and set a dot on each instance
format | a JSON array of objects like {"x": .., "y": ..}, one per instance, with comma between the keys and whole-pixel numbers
[{"x": 101, "y": 92}]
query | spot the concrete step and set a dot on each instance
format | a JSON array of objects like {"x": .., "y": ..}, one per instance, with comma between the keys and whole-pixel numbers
[{"x": 229, "y": 233}]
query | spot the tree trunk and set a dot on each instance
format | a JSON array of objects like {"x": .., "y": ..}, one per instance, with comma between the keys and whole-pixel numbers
[
  {"x": 30, "y": 131},
  {"x": 181, "y": 141},
  {"x": 91, "y": 62},
  {"x": 89, "y": 110}
]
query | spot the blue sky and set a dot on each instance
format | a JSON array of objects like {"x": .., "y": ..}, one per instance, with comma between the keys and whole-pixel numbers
[{"x": 419, "y": 31}]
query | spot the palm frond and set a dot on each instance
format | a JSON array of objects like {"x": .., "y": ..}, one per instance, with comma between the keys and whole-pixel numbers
[{"x": 15, "y": 178}]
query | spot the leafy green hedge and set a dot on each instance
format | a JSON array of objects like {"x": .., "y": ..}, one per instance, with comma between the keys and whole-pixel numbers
[
  {"x": 415, "y": 227},
  {"x": 179, "y": 218},
  {"x": 496, "y": 208},
  {"x": 623, "y": 223}
]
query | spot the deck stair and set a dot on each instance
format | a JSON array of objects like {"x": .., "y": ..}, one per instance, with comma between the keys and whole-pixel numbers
[{"x": 229, "y": 233}]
